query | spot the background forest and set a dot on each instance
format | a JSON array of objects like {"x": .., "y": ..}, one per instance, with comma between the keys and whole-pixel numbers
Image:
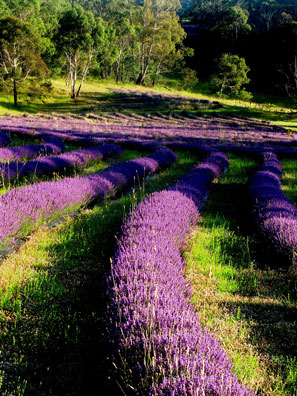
[
  {"x": 227, "y": 43},
  {"x": 148, "y": 239}
]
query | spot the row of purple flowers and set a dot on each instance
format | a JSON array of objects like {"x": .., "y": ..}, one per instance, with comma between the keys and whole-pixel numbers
[
  {"x": 253, "y": 141},
  {"x": 56, "y": 163},
  {"x": 220, "y": 129},
  {"x": 153, "y": 326},
  {"x": 23, "y": 208},
  {"x": 51, "y": 145},
  {"x": 274, "y": 214}
]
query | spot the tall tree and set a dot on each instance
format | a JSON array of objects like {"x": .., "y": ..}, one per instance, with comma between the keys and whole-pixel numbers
[
  {"x": 288, "y": 60},
  {"x": 232, "y": 22},
  {"x": 19, "y": 54},
  {"x": 231, "y": 74},
  {"x": 77, "y": 39},
  {"x": 158, "y": 33}
]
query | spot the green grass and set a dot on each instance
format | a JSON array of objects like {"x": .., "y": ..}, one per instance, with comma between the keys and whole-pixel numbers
[
  {"x": 237, "y": 293},
  {"x": 53, "y": 299},
  {"x": 52, "y": 294},
  {"x": 96, "y": 96},
  {"x": 91, "y": 167}
]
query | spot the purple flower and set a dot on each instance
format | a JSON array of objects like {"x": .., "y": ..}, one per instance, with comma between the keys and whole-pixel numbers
[
  {"x": 4, "y": 139},
  {"x": 274, "y": 215},
  {"x": 55, "y": 163},
  {"x": 153, "y": 325},
  {"x": 22, "y": 208}
]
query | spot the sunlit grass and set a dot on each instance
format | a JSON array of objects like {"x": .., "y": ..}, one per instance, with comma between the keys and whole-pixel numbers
[
  {"x": 52, "y": 297},
  {"x": 289, "y": 178},
  {"x": 237, "y": 295},
  {"x": 98, "y": 91}
]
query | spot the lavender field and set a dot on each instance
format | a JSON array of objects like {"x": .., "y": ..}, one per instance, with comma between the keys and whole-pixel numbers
[{"x": 148, "y": 252}]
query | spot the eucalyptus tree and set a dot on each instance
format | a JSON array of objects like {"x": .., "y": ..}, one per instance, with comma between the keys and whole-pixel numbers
[
  {"x": 231, "y": 74},
  {"x": 287, "y": 66},
  {"x": 158, "y": 34},
  {"x": 19, "y": 54},
  {"x": 233, "y": 21},
  {"x": 78, "y": 37},
  {"x": 98, "y": 7},
  {"x": 4, "y": 9},
  {"x": 25, "y": 9}
]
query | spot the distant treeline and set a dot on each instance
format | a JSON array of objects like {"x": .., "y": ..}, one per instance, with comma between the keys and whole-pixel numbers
[
  {"x": 141, "y": 40},
  {"x": 262, "y": 32},
  {"x": 123, "y": 39}
]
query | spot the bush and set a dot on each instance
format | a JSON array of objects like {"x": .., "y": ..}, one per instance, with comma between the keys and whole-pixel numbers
[{"x": 231, "y": 75}]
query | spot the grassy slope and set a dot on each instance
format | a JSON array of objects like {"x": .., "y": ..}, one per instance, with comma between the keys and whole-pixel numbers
[
  {"x": 52, "y": 299},
  {"x": 241, "y": 292},
  {"x": 96, "y": 94}
]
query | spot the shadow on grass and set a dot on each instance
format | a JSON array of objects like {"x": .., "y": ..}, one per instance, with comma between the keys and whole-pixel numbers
[
  {"x": 265, "y": 294},
  {"x": 55, "y": 340},
  {"x": 104, "y": 102},
  {"x": 273, "y": 331}
]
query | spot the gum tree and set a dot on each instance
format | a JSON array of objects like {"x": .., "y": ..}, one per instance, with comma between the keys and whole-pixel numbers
[
  {"x": 78, "y": 37},
  {"x": 158, "y": 34},
  {"x": 231, "y": 74},
  {"x": 232, "y": 23},
  {"x": 20, "y": 58}
]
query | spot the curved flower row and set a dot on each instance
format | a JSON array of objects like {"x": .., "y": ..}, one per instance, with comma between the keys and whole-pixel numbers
[
  {"x": 153, "y": 325},
  {"x": 55, "y": 163},
  {"x": 274, "y": 214},
  {"x": 51, "y": 145},
  {"x": 24, "y": 207}
]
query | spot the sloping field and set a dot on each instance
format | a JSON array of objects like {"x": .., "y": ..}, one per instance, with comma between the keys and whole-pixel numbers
[{"x": 148, "y": 253}]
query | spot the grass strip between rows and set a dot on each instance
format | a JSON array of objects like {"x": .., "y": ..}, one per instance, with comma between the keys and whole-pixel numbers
[
  {"x": 241, "y": 291},
  {"x": 52, "y": 299},
  {"x": 159, "y": 345}
]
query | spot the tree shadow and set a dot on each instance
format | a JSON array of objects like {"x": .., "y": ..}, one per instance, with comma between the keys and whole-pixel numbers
[
  {"x": 58, "y": 343},
  {"x": 273, "y": 326},
  {"x": 267, "y": 292}
]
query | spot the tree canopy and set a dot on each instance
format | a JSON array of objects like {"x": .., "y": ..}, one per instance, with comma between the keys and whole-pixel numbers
[
  {"x": 19, "y": 54},
  {"x": 140, "y": 40},
  {"x": 129, "y": 40},
  {"x": 231, "y": 74}
]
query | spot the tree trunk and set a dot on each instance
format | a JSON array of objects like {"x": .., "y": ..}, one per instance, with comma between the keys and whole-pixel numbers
[
  {"x": 82, "y": 81},
  {"x": 85, "y": 72},
  {"x": 142, "y": 75},
  {"x": 72, "y": 86},
  {"x": 157, "y": 70},
  {"x": 118, "y": 65},
  {"x": 15, "y": 93}
]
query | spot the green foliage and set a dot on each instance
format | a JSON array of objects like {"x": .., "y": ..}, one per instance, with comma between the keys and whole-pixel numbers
[
  {"x": 232, "y": 23},
  {"x": 19, "y": 55},
  {"x": 231, "y": 74},
  {"x": 190, "y": 78},
  {"x": 75, "y": 30},
  {"x": 79, "y": 35}
]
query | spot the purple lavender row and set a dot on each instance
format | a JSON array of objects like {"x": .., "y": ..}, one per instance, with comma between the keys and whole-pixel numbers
[
  {"x": 119, "y": 135},
  {"x": 55, "y": 163},
  {"x": 125, "y": 136},
  {"x": 23, "y": 208},
  {"x": 153, "y": 325},
  {"x": 275, "y": 215},
  {"x": 192, "y": 129},
  {"x": 51, "y": 145},
  {"x": 4, "y": 139}
]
